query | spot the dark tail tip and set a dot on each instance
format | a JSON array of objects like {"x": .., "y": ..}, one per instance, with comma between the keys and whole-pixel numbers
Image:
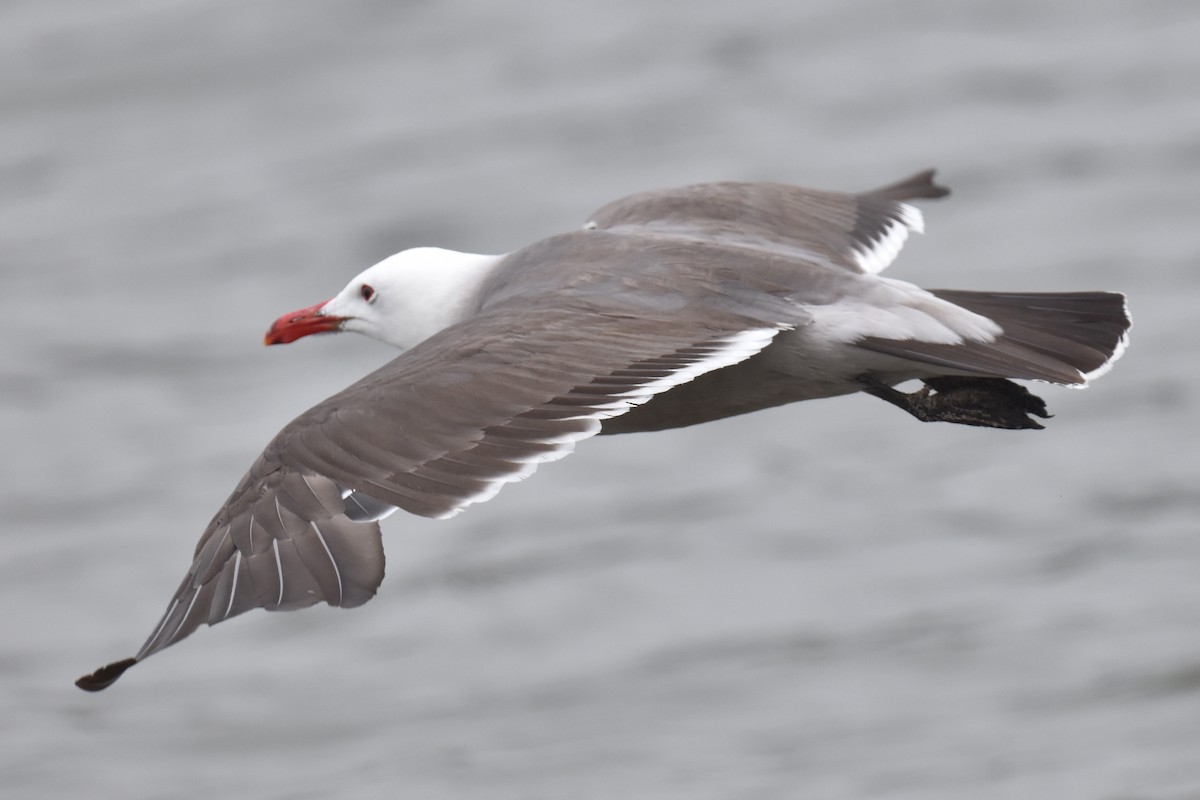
[{"x": 105, "y": 676}]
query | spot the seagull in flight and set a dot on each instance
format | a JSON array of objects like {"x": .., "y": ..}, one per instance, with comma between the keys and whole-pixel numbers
[{"x": 668, "y": 308}]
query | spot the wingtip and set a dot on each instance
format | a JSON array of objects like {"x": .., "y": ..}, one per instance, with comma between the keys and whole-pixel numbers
[
  {"x": 105, "y": 676},
  {"x": 936, "y": 189},
  {"x": 922, "y": 185}
]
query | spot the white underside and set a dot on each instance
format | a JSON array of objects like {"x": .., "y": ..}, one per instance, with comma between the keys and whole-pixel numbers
[{"x": 899, "y": 310}]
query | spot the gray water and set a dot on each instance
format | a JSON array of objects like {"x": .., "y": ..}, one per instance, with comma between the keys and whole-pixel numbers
[{"x": 830, "y": 600}]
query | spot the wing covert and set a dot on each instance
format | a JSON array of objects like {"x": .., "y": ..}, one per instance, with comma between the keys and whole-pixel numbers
[
  {"x": 477, "y": 406},
  {"x": 860, "y": 232}
]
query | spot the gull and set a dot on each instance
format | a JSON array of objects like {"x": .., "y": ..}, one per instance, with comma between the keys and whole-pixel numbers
[{"x": 669, "y": 308}]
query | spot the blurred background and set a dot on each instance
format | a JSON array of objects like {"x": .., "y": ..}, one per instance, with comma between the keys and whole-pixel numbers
[{"x": 829, "y": 600}]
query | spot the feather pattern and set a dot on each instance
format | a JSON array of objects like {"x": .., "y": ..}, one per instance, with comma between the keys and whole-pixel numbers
[
  {"x": 283, "y": 542},
  {"x": 673, "y": 307},
  {"x": 858, "y": 232},
  {"x": 300, "y": 528}
]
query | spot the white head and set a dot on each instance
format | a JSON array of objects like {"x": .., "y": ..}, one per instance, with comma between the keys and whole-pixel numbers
[{"x": 402, "y": 300}]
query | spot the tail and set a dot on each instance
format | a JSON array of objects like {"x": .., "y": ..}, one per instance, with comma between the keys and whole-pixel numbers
[{"x": 1067, "y": 338}]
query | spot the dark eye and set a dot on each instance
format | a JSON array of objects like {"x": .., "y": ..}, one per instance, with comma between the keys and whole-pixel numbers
[{"x": 368, "y": 292}]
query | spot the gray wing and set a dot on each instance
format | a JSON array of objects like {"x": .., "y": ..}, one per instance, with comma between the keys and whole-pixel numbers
[
  {"x": 282, "y": 541},
  {"x": 444, "y": 425},
  {"x": 859, "y": 232},
  {"x": 483, "y": 403}
]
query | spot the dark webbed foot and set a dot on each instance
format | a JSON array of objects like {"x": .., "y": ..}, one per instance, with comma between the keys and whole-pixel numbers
[{"x": 986, "y": 402}]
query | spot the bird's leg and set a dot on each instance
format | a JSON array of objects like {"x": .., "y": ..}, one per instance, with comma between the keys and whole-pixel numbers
[{"x": 986, "y": 402}]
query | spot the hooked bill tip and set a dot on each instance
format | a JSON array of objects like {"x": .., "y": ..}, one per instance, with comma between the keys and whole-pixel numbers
[{"x": 299, "y": 324}]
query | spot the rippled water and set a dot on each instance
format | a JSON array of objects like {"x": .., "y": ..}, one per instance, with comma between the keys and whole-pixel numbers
[{"x": 828, "y": 601}]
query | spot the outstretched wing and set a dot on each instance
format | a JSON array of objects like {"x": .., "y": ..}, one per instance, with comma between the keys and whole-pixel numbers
[
  {"x": 480, "y": 405},
  {"x": 859, "y": 232},
  {"x": 282, "y": 541},
  {"x": 444, "y": 425},
  {"x": 289, "y": 545}
]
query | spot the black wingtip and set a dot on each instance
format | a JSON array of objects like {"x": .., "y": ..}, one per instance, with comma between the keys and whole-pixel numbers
[
  {"x": 106, "y": 676},
  {"x": 936, "y": 189},
  {"x": 919, "y": 186}
]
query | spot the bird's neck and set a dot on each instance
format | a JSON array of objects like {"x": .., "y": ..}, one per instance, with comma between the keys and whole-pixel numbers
[{"x": 446, "y": 292}]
